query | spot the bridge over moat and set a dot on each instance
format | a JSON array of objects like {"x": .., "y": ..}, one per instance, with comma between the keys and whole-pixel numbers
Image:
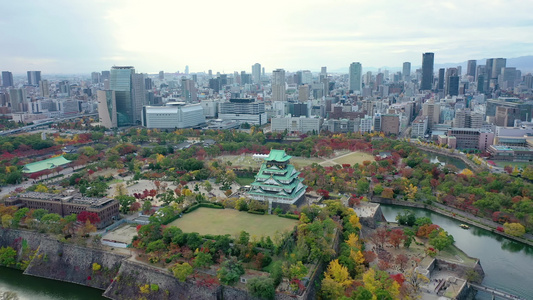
[{"x": 495, "y": 293}]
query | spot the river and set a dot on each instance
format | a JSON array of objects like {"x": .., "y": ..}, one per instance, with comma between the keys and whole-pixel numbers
[
  {"x": 508, "y": 265},
  {"x": 32, "y": 288}
]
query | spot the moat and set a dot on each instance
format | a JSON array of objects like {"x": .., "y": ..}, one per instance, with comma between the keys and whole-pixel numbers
[{"x": 508, "y": 265}]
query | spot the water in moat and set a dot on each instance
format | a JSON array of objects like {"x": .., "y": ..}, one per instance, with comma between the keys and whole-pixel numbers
[
  {"x": 508, "y": 265},
  {"x": 443, "y": 159},
  {"x": 30, "y": 288}
]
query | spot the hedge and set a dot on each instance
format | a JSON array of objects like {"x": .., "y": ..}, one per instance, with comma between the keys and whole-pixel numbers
[
  {"x": 289, "y": 216},
  {"x": 256, "y": 212},
  {"x": 208, "y": 205},
  {"x": 174, "y": 218}
]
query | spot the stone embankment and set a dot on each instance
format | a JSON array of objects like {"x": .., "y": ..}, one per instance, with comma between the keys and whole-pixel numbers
[{"x": 119, "y": 277}]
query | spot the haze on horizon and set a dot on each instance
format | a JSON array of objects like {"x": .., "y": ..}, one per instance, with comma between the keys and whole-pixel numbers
[{"x": 62, "y": 36}]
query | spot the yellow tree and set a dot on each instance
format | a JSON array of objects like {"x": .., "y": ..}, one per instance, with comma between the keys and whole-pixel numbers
[
  {"x": 353, "y": 241},
  {"x": 410, "y": 191},
  {"x": 354, "y": 220},
  {"x": 336, "y": 279},
  {"x": 379, "y": 282},
  {"x": 514, "y": 229}
]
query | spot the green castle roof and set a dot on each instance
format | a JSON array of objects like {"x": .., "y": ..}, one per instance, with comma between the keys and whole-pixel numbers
[
  {"x": 278, "y": 155},
  {"x": 46, "y": 164}
]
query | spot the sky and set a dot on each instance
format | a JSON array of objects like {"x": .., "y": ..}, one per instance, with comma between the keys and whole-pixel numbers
[{"x": 74, "y": 36}]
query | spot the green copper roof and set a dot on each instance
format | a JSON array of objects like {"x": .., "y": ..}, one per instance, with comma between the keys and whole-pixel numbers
[
  {"x": 286, "y": 175},
  {"x": 278, "y": 155},
  {"x": 46, "y": 164}
]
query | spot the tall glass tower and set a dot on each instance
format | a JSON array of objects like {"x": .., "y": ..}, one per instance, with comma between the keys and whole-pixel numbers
[
  {"x": 120, "y": 81},
  {"x": 427, "y": 71}
]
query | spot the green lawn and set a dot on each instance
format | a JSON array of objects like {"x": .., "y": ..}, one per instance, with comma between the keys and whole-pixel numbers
[
  {"x": 519, "y": 164},
  {"x": 353, "y": 158},
  {"x": 230, "y": 221},
  {"x": 245, "y": 180}
]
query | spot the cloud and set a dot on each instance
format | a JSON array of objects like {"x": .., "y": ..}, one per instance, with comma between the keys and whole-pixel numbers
[{"x": 226, "y": 36}]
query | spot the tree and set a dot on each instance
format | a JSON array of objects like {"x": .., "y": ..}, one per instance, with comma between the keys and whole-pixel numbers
[
  {"x": 402, "y": 260},
  {"x": 8, "y": 256},
  {"x": 396, "y": 236},
  {"x": 514, "y": 229},
  {"x": 380, "y": 237},
  {"x": 262, "y": 287},
  {"x": 88, "y": 216},
  {"x": 181, "y": 271},
  {"x": 230, "y": 271},
  {"x": 407, "y": 217},
  {"x": 387, "y": 193},
  {"x": 336, "y": 279},
  {"x": 208, "y": 187},
  {"x": 202, "y": 259},
  {"x": 362, "y": 186},
  {"x": 87, "y": 228},
  {"x": 125, "y": 202},
  {"x": 146, "y": 207},
  {"x": 120, "y": 189}
]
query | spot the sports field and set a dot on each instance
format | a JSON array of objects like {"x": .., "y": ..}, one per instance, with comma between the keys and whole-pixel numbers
[{"x": 230, "y": 221}]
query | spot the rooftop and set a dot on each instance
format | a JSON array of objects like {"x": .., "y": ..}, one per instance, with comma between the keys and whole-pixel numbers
[
  {"x": 278, "y": 155},
  {"x": 46, "y": 164}
]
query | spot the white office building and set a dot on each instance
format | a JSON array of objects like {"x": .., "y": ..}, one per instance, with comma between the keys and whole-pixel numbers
[
  {"x": 296, "y": 124},
  {"x": 243, "y": 111},
  {"x": 173, "y": 115}
]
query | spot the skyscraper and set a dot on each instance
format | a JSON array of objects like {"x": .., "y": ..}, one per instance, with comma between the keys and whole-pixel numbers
[
  {"x": 161, "y": 75},
  {"x": 471, "y": 68},
  {"x": 7, "y": 78},
  {"x": 34, "y": 77},
  {"x": 356, "y": 72},
  {"x": 139, "y": 95},
  {"x": 121, "y": 83},
  {"x": 406, "y": 71},
  {"x": 186, "y": 70},
  {"x": 107, "y": 108},
  {"x": 427, "y": 71},
  {"x": 440, "y": 82},
  {"x": 95, "y": 77},
  {"x": 44, "y": 88},
  {"x": 278, "y": 85},
  {"x": 256, "y": 73}
]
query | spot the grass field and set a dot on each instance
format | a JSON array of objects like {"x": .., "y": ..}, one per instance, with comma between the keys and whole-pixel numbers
[
  {"x": 229, "y": 221},
  {"x": 353, "y": 158},
  {"x": 244, "y": 180},
  {"x": 519, "y": 164}
]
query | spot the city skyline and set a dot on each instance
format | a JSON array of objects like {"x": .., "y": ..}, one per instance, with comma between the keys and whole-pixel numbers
[{"x": 75, "y": 37}]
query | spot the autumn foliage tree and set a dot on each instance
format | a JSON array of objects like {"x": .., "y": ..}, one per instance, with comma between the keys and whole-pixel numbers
[{"x": 90, "y": 216}]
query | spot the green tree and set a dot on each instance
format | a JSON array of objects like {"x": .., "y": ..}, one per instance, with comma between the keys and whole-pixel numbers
[
  {"x": 230, "y": 271},
  {"x": 8, "y": 256},
  {"x": 181, "y": 271},
  {"x": 202, "y": 259},
  {"x": 125, "y": 202},
  {"x": 262, "y": 287}
]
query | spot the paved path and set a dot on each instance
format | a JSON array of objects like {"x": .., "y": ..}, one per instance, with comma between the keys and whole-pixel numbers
[{"x": 331, "y": 160}]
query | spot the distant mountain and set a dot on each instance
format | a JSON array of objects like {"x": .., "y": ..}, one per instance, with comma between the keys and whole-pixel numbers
[{"x": 522, "y": 63}]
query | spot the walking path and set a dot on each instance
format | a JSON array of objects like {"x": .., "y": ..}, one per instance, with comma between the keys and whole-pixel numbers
[{"x": 494, "y": 292}]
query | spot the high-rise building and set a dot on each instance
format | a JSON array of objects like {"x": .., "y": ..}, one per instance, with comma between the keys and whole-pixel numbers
[
  {"x": 303, "y": 92},
  {"x": 406, "y": 71},
  {"x": 7, "y": 79},
  {"x": 186, "y": 70},
  {"x": 16, "y": 98},
  {"x": 121, "y": 83},
  {"x": 256, "y": 73},
  {"x": 105, "y": 76},
  {"x": 139, "y": 95},
  {"x": 44, "y": 88},
  {"x": 440, "y": 83},
  {"x": 507, "y": 78},
  {"x": 452, "y": 82},
  {"x": 95, "y": 77},
  {"x": 161, "y": 75},
  {"x": 278, "y": 85},
  {"x": 356, "y": 73},
  {"x": 107, "y": 108},
  {"x": 431, "y": 110},
  {"x": 427, "y": 71},
  {"x": 471, "y": 68},
  {"x": 34, "y": 77},
  {"x": 188, "y": 91}
]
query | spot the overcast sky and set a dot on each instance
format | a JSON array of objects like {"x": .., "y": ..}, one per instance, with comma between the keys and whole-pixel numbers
[{"x": 74, "y": 36}]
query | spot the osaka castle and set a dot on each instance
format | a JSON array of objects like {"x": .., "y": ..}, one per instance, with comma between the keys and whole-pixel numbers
[{"x": 277, "y": 181}]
